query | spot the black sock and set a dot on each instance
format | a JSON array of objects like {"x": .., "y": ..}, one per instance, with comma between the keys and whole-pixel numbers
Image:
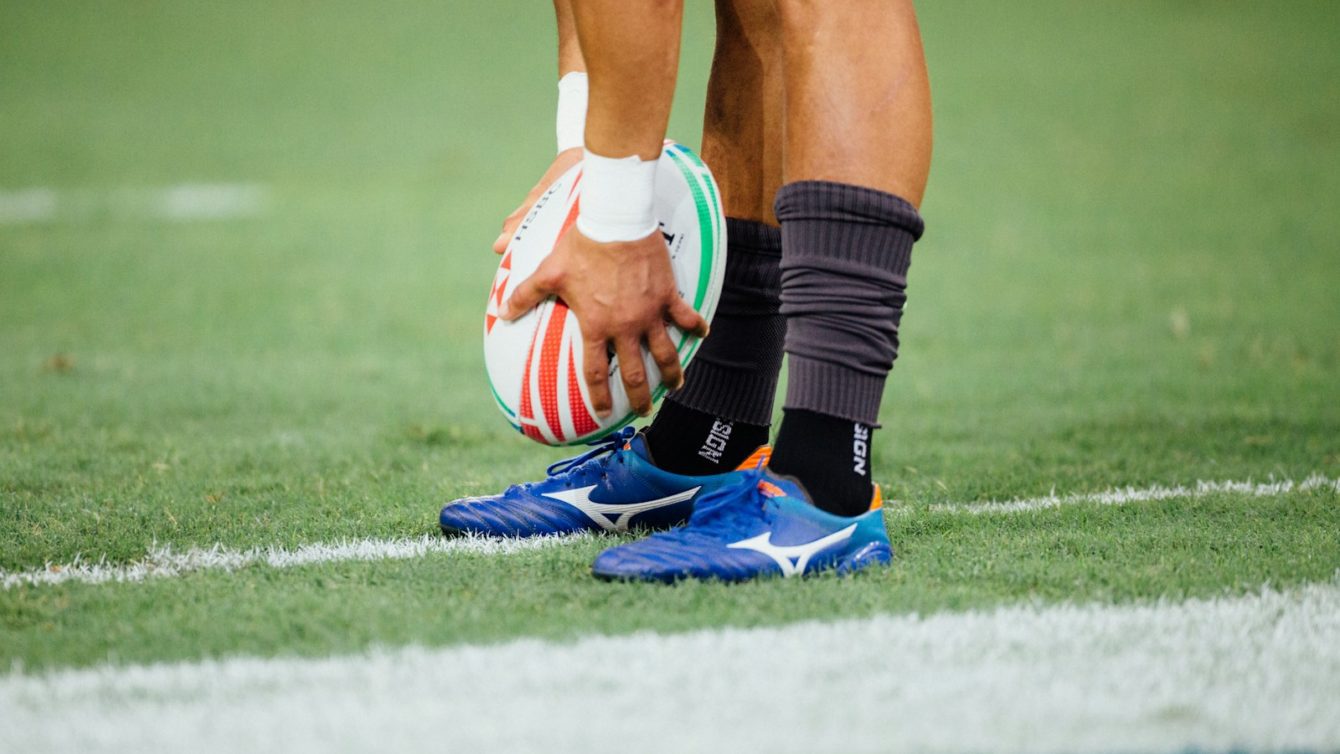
[
  {"x": 829, "y": 456},
  {"x": 686, "y": 441},
  {"x": 735, "y": 372},
  {"x": 722, "y": 413}
]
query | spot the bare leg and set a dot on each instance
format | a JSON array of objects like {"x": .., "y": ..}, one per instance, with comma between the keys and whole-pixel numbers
[
  {"x": 724, "y": 411},
  {"x": 857, "y": 152},
  {"x": 858, "y": 103},
  {"x": 631, "y": 51},
  {"x": 742, "y": 126}
]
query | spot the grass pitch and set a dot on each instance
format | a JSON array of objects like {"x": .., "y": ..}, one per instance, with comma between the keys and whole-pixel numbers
[{"x": 1129, "y": 278}]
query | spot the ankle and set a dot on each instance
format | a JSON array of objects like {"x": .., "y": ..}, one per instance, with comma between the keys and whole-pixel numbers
[
  {"x": 682, "y": 440},
  {"x": 829, "y": 456}
]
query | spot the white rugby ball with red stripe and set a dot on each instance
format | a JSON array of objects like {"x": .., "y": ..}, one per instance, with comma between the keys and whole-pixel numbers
[{"x": 535, "y": 362}]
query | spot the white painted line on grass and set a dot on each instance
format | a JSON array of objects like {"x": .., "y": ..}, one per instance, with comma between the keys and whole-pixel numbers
[
  {"x": 30, "y": 205},
  {"x": 163, "y": 562},
  {"x": 1127, "y": 495},
  {"x": 209, "y": 201},
  {"x": 185, "y": 202},
  {"x": 1254, "y": 673}
]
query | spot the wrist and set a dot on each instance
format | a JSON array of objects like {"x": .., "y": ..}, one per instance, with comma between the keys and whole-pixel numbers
[
  {"x": 571, "y": 119},
  {"x": 618, "y": 199}
]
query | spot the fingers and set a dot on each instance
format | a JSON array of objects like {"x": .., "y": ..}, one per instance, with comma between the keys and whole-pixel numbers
[
  {"x": 530, "y": 293},
  {"x": 686, "y": 319},
  {"x": 634, "y": 373},
  {"x": 596, "y": 371},
  {"x": 509, "y": 227},
  {"x": 565, "y": 159},
  {"x": 511, "y": 221},
  {"x": 667, "y": 358}
]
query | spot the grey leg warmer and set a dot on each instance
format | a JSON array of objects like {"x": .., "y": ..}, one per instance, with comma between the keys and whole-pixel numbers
[{"x": 844, "y": 281}]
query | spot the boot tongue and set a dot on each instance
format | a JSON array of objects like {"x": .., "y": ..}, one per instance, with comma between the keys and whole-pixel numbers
[
  {"x": 777, "y": 485},
  {"x": 638, "y": 445}
]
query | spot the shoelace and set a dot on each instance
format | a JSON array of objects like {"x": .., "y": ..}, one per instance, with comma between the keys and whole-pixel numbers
[
  {"x": 607, "y": 445},
  {"x": 731, "y": 507}
]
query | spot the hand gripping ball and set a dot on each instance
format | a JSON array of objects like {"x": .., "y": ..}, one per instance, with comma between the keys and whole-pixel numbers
[{"x": 535, "y": 362}]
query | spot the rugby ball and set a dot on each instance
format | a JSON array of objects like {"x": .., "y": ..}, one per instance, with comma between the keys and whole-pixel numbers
[{"x": 534, "y": 363}]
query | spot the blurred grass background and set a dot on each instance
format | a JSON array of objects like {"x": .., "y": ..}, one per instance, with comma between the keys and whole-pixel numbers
[{"x": 1129, "y": 274}]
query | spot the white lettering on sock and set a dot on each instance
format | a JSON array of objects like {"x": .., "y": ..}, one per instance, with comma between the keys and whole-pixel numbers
[
  {"x": 715, "y": 444},
  {"x": 860, "y": 448}
]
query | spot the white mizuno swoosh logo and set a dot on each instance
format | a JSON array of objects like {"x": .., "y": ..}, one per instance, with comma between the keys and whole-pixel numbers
[
  {"x": 792, "y": 559},
  {"x": 580, "y": 498}
]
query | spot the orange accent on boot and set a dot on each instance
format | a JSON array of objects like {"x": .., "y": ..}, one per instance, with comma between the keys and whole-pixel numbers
[
  {"x": 770, "y": 489},
  {"x": 877, "y": 500},
  {"x": 760, "y": 456}
]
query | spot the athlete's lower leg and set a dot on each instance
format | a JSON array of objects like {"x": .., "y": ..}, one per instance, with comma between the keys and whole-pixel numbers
[
  {"x": 725, "y": 408},
  {"x": 857, "y": 153}
]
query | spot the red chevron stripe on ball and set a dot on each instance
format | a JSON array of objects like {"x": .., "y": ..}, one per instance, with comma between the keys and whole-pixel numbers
[{"x": 535, "y": 362}]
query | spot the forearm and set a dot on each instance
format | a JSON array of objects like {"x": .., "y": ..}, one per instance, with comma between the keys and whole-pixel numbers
[
  {"x": 631, "y": 52},
  {"x": 572, "y": 84},
  {"x": 569, "y": 48}
]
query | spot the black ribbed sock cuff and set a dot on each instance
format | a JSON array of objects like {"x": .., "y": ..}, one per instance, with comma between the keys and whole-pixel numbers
[
  {"x": 728, "y": 393},
  {"x": 754, "y": 235},
  {"x": 734, "y": 375}
]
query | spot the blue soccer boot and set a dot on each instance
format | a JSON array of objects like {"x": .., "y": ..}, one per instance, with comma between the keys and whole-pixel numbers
[
  {"x": 612, "y": 487},
  {"x": 764, "y": 525}
]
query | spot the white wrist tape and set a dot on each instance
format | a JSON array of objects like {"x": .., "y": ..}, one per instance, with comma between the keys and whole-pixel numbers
[
  {"x": 618, "y": 199},
  {"x": 571, "y": 125}
]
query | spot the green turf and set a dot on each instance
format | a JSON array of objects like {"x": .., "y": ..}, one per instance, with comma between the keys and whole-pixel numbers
[
  {"x": 948, "y": 561},
  {"x": 1129, "y": 277}
]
